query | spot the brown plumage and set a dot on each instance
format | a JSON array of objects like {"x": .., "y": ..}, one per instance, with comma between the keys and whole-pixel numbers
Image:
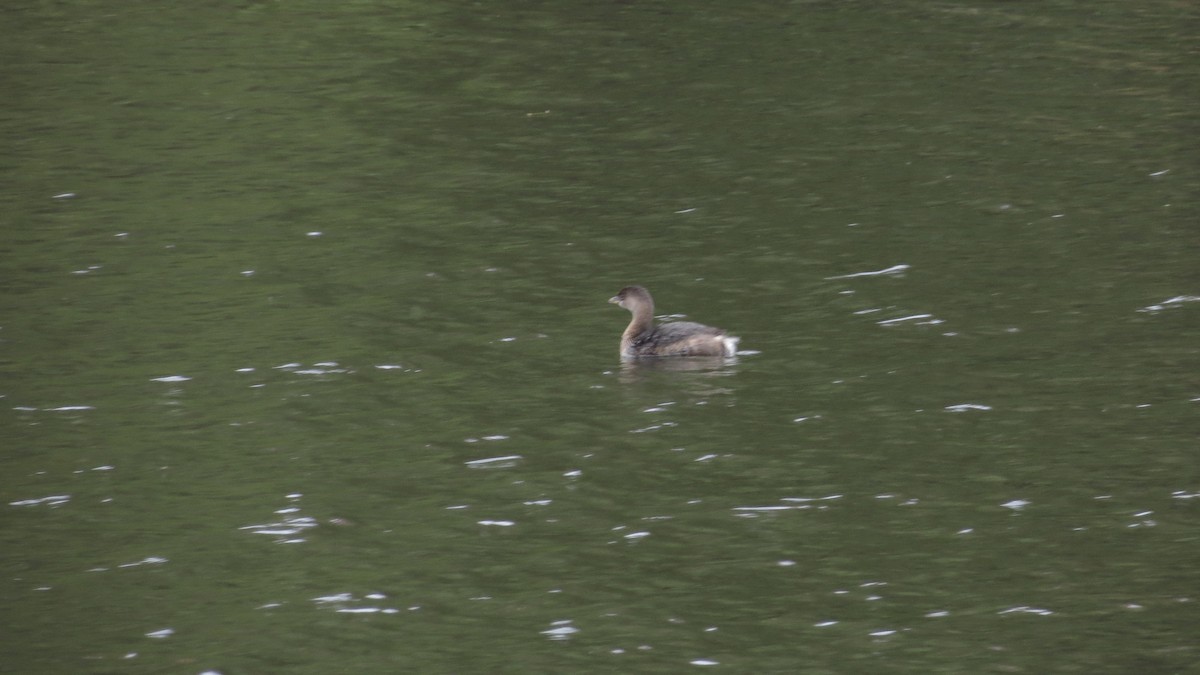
[{"x": 678, "y": 338}]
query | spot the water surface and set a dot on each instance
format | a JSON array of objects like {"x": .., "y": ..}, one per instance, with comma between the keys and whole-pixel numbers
[{"x": 307, "y": 363}]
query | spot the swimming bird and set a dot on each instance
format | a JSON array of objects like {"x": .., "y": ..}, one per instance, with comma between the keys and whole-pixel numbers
[{"x": 677, "y": 338}]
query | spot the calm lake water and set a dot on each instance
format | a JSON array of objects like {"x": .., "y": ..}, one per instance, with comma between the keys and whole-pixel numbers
[{"x": 306, "y": 364}]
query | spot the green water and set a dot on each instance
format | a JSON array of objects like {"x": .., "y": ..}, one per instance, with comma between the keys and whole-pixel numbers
[{"x": 275, "y": 277}]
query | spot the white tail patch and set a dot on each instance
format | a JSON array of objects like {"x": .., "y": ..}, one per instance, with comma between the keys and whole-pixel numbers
[{"x": 731, "y": 344}]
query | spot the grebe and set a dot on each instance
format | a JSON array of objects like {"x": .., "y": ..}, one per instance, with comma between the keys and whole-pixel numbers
[{"x": 679, "y": 338}]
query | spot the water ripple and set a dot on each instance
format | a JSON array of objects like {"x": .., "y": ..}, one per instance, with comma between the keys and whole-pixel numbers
[
  {"x": 894, "y": 270},
  {"x": 340, "y": 602},
  {"x": 288, "y": 526},
  {"x": 1170, "y": 303},
  {"x": 501, "y": 462},
  {"x": 560, "y": 630},
  {"x": 52, "y": 500}
]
